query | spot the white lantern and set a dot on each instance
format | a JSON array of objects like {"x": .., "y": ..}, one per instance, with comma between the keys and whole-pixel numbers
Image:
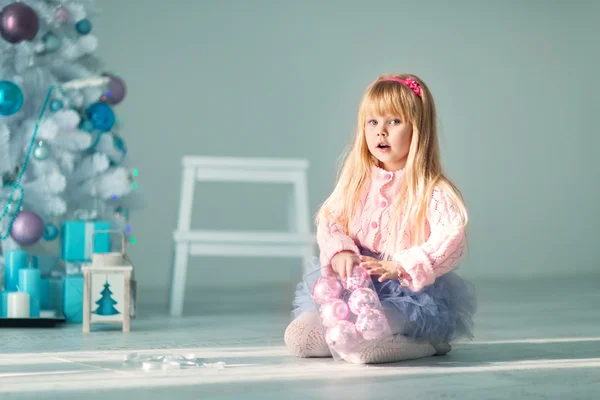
[{"x": 107, "y": 287}]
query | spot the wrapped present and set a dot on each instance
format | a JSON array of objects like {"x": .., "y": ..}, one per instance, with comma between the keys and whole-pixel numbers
[
  {"x": 76, "y": 239},
  {"x": 73, "y": 298},
  {"x": 48, "y": 264},
  {"x": 51, "y": 293}
]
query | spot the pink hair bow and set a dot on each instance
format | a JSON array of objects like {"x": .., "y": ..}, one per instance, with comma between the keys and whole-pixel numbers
[{"x": 408, "y": 82}]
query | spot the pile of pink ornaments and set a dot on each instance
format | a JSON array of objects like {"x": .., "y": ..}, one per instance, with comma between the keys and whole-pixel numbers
[{"x": 349, "y": 323}]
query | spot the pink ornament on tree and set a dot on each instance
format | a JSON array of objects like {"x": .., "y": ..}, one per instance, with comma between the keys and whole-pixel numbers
[
  {"x": 363, "y": 298},
  {"x": 62, "y": 15},
  {"x": 360, "y": 278},
  {"x": 327, "y": 289},
  {"x": 342, "y": 337},
  {"x": 333, "y": 312},
  {"x": 372, "y": 324}
]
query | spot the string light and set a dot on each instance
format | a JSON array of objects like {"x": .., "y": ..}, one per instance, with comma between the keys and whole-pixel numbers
[
  {"x": 134, "y": 185},
  {"x": 132, "y": 240}
]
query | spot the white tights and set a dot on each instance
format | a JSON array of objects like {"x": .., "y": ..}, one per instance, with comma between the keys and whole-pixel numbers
[{"x": 305, "y": 337}]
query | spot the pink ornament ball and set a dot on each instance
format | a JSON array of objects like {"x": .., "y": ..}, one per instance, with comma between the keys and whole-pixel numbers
[
  {"x": 62, "y": 15},
  {"x": 360, "y": 278},
  {"x": 333, "y": 312},
  {"x": 327, "y": 289},
  {"x": 27, "y": 228},
  {"x": 342, "y": 336},
  {"x": 372, "y": 324},
  {"x": 363, "y": 298}
]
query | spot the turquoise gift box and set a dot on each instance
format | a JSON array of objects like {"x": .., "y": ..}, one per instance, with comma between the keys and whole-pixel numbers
[
  {"x": 76, "y": 240},
  {"x": 51, "y": 296},
  {"x": 73, "y": 298}
]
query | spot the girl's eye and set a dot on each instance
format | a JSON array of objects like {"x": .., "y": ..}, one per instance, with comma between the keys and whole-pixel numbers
[
  {"x": 372, "y": 122},
  {"x": 396, "y": 122}
]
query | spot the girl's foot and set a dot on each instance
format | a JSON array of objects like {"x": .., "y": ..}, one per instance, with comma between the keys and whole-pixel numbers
[{"x": 304, "y": 337}]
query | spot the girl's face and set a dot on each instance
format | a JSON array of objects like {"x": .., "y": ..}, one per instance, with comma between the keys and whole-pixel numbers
[{"x": 388, "y": 139}]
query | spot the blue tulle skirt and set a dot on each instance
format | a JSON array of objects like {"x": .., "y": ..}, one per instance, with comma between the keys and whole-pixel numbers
[{"x": 440, "y": 312}]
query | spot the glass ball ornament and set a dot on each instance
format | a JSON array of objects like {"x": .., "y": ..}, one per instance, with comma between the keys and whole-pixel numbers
[
  {"x": 360, "y": 278},
  {"x": 363, "y": 298},
  {"x": 116, "y": 90},
  {"x": 372, "y": 324},
  {"x": 50, "y": 231},
  {"x": 51, "y": 42},
  {"x": 342, "y": 336},
  {"x": 334, "y": 311},
  {"x": 326, "y": 289},
  {"x": 56, "y": 105},
  {"x": 41, "y": 151},
  {"x": 18, "y": 22},
  {"x": 83, "y": 27},
  {"x": 11, "y": 98},
  {"x": 27, "y": 228},
  {"x": 101, "y": 115}
]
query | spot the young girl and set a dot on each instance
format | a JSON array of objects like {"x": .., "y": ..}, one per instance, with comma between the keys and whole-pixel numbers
[{"x": 395, "y": 213}]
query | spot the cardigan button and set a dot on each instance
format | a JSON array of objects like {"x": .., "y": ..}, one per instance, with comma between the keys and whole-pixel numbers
[{"x": 373, "y": 224}]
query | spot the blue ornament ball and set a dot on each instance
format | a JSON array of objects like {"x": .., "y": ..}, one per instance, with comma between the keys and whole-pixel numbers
[
  {"x": 11, "y": 98},
  {"x": 83, "y": 27},
  {"x": 56, "y": 105},
  {"x": 50, "y": 231},
  {"x": 101, "y": 115}
]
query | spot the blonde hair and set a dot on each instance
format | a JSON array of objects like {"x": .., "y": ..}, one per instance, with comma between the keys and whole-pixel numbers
[{"x": 423, "y": 170}]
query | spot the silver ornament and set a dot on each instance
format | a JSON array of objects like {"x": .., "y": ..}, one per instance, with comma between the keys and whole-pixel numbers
[{"x": 41, "y": 151}]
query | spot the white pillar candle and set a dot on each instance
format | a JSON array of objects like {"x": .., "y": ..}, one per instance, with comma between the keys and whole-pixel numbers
[{"x": 17, "y": 305}]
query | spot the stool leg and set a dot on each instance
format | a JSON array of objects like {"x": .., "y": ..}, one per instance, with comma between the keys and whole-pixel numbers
[
  {"x": 178, "y": 282},
  {"x": 86, "y": 300},
  {"x": 126, "y": 302},
  {"x": 307, "y": 258}
]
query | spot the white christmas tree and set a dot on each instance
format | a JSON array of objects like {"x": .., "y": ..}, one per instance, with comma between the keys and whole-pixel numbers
[{"x": 61, "y": 152}]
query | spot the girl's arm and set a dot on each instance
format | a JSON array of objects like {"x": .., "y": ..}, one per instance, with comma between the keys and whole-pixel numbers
[
  {"x": 442, "y": 251},
  {"x": 332, "y": 239}
]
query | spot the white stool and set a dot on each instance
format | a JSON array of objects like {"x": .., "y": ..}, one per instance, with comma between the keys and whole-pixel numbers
[{"x": 298, "y": 242}]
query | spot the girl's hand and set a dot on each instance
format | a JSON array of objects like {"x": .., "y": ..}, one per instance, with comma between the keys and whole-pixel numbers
[
  {"x": 344, "y": 262},
  {"x": 387, "y": 269}
]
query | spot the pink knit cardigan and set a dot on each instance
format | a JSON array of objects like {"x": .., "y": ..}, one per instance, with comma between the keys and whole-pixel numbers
[{"x": 439, "y": 254}]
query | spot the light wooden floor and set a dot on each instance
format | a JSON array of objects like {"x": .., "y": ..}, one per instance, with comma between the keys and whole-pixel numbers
[{"x": 534, "y": 340}]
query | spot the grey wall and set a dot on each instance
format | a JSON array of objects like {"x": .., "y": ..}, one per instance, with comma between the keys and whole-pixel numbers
[{"x": 516, "y": 87}]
